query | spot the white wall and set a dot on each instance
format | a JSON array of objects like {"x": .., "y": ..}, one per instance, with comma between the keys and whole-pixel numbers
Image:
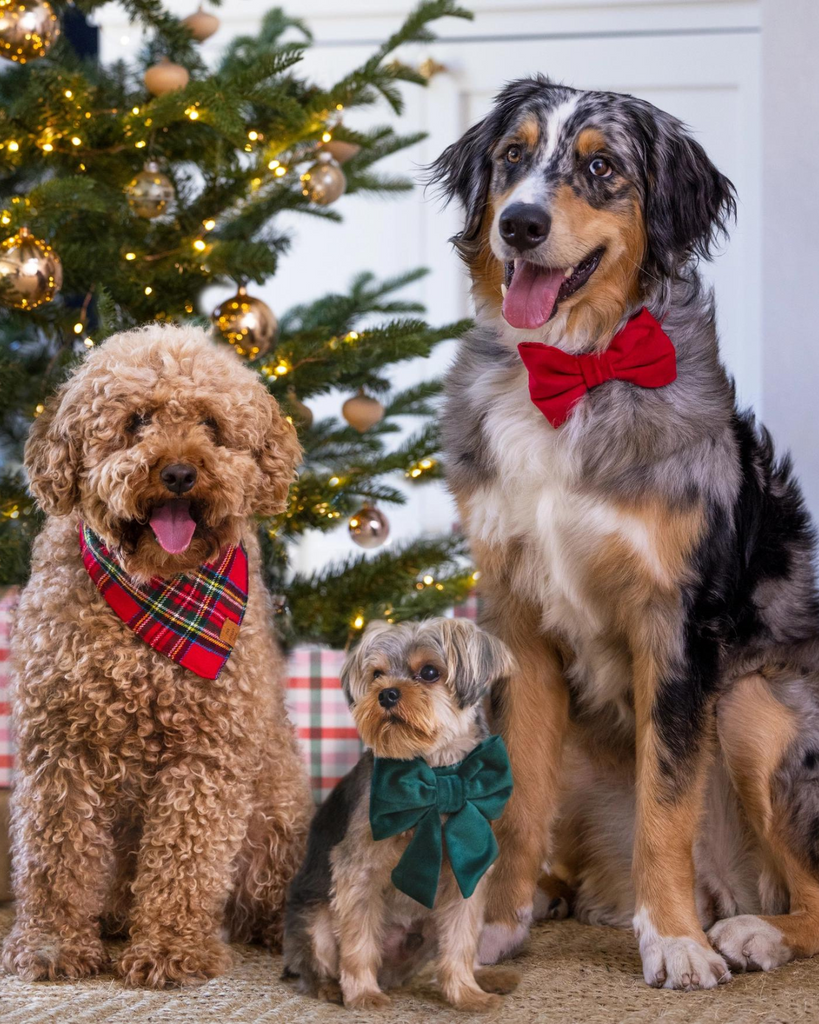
[{"x": 790, "y": 232}]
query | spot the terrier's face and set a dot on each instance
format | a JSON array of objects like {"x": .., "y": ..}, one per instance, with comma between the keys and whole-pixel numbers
[
  {"x": 166, "y": 444},
  {"x": 416, "y": 689}
]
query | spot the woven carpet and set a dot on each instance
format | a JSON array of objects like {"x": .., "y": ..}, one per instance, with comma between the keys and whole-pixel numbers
[{"x": 571, "y": 974}]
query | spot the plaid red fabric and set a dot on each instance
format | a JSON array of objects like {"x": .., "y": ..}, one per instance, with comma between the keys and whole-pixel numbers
[{"x": 193, "y": 618}]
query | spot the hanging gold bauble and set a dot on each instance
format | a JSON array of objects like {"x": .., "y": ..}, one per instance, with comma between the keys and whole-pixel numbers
[
  {"x": 30, "y": 271},
  {"x": 247, "y": 323},
  {"x": 165, "y": 77},
  {"x": 324, "y": 182},
  {"x": 28, "y": 29},
  {"x": 302, "y": 414},
  {"x": 369, "y": 527},
  {"x": 340, "y": 150},
  {"x": 150, "y": 192},
  {"x": 362, "y": 412},
  {"x": 201, "y": 25}
]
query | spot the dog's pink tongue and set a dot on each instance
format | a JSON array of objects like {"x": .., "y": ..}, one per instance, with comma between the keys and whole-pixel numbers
[
  {"x": 531, "y": 296},
  {"x": 173, "y": 526}
]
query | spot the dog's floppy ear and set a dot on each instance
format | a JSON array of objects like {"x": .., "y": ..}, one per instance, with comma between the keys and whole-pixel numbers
[
  {"x": 52, "y": 459},
  {"x": 463, "y": 172},
  {"x": 476, "y": 659},
  {"x": 354, "y": 662},
  {"x": 688, "y": 201},
  {"x": 278, "y": 453}
]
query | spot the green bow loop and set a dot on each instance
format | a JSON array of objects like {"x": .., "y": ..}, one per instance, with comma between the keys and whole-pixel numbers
[{"x": 408, "y": 795}]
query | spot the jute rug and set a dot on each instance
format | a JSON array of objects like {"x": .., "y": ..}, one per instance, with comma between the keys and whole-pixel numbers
[{"x": 571, "y": 974}]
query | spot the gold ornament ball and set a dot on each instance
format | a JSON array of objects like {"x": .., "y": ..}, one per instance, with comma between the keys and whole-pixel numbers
[
  {"x": 369, "y": 527},
  {"x": 324, "y": 182},
  {"x": 150, "y": 192},
  {"x": 362, "y": 412},
  {"x": 165, "y": 77},
  {"x": 340, "y": 150},
  {"x": 30, "y": 271},
  {"x": 302, "y": 414},
  {"x": 28, "y": 29},
  {"x": 201, "y": 25},
  {"x": 246, "y": 323}
]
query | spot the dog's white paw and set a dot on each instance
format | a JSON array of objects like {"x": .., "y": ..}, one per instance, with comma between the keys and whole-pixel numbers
[
  {"x": 501, "y": 940},
  {"x": 682, "y": 963},
  {"x": 677, "y": 961},
  {"x": 750, "y": 944}
]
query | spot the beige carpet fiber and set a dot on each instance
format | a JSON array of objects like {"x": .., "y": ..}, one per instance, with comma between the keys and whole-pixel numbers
[{"x": 570, "y": 973}]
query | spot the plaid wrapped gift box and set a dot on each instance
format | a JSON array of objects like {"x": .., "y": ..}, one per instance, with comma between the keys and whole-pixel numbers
[{"x": 330, "y": 743}]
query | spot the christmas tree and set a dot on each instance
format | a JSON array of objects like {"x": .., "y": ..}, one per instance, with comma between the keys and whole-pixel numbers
[{"x": 127, "y": 190}]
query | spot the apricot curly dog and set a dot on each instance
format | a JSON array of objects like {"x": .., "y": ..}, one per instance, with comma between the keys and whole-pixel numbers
[{"x": 150, "y": 801}]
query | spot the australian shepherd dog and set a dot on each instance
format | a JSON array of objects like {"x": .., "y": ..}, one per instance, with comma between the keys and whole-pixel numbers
[{"x": 644, "y": 555}]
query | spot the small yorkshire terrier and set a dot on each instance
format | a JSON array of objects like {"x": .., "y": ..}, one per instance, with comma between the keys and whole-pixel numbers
[{"x": 375, "y": 899}]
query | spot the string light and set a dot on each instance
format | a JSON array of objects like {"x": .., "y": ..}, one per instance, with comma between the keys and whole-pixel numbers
[
  {"x": 139, "y": 145},
  {"x": 192, "y": 113},
  {"x": 47, "y": 147},
  {"x": 209, "y": 224},
  {"x": 78, "y": 328},
  {"x": 419, "y": 468},
  {"x": 334, "y": 481},
  {"x": 199, "y": 245},
  {"x": 68, "y": 94},
  {"x": 273, "y": 165},
  {"x": 253, "y": 136},
  {"x": 13, "y": 146},
  {"x": 280, "y": 171},
  {"x": 358, "y": 622},
  {"x": 339, "y": 106},
  {"x": 88, "y": 342},
  {"x": 429, "y": 580},
  {"x": 148, "y": 290},
  {"x": 39, "y": 408},
  {"x": 130, "y": 255},
  {"x": 5, "y": 219},
  {"x": 352, "y": 336},
  {"x": 281, "y": 369},
  {"x": 326, "y": 137},
  {"x": 134, "y": 110}
]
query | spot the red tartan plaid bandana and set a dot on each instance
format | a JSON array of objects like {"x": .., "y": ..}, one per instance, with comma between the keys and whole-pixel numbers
[
  {"x": 641, "y": 353},
  {"x": 193, "y": 619}
]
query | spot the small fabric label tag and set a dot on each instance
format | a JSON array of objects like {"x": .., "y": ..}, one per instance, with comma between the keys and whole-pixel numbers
[{"x": 229, "y": 632}]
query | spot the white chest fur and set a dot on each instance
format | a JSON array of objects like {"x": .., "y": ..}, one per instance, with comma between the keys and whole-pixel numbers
[{"x": 537, "y": 504}]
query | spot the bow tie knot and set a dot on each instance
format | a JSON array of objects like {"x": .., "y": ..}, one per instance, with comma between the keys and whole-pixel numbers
[
  {"x": 596, "y": 369},
  {"x": 641, "y": 354},
  {"x": 409, "y": 795},
  {"x": 450, "y": 789}
]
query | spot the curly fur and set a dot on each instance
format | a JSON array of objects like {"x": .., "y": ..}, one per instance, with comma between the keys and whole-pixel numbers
[{"x": 150, "y": 801}]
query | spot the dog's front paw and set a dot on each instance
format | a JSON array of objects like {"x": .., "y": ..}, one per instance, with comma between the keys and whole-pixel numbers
[
  {"x": 171, "y": 962},
  {"x": 40, "y": 956},
  {"x": 501, "y": 980},
  {"x": 682, "y": 963},
  {"x": 500, "y": 939},
  {"x": 475, "y": 1000},
  {"x": 749, "y": 943},
  {"x": 370, "y": 999}
]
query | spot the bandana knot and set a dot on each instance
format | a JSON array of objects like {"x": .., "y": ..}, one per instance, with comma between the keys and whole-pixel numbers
[{"x": 192, "y": 618}]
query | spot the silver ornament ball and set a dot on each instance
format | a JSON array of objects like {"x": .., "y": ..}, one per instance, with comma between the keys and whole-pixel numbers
[
  {"x": 369, "y": 527},
  {"x": 324, "y": 182}
]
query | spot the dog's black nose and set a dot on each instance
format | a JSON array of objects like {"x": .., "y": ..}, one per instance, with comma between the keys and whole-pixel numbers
[
  {"x": 524, "y": 225},
  {"x": 389, "y": 698},
  {"x": 178, "y": 478}
]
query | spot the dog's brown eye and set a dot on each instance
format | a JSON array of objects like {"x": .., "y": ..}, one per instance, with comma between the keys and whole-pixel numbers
[
  {"x": 513, "y": 154},
  {"x": 429, "y": 673},
  {"x": 136, "y": 421},
  {"x": 377, "y": 673},
  {"x": 600, "y": 168},
  {"x": 212, "y": 426}
]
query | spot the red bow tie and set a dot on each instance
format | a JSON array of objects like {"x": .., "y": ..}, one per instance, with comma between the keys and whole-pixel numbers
[{"x": 641, "y": 353}]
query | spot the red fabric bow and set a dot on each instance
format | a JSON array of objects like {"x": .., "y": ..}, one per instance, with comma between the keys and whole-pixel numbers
[{"x": 641, "y": 353}]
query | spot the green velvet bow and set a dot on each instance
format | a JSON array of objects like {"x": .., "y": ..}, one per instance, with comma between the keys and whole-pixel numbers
[{"x": 411, "y": 795}]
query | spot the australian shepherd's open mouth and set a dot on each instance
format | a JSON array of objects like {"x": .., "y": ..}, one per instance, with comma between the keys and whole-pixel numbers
[{"x": 533, "y": 292}]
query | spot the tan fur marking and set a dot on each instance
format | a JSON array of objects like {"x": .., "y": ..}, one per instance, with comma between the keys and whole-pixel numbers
[
  {"x": 590, "y": 140},
  {"x": 528, "y": 131},
  {"x": 755, "y": 731},
  {"x": 577, "y": 230},
  {"x": 485, "y": 269}
]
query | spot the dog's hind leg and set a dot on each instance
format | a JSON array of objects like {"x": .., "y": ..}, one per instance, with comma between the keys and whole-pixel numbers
[
  {"x": 531, "y": 713},
  {"x": 773, "y": 765},
  {"x": 273, "y": 846}
]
